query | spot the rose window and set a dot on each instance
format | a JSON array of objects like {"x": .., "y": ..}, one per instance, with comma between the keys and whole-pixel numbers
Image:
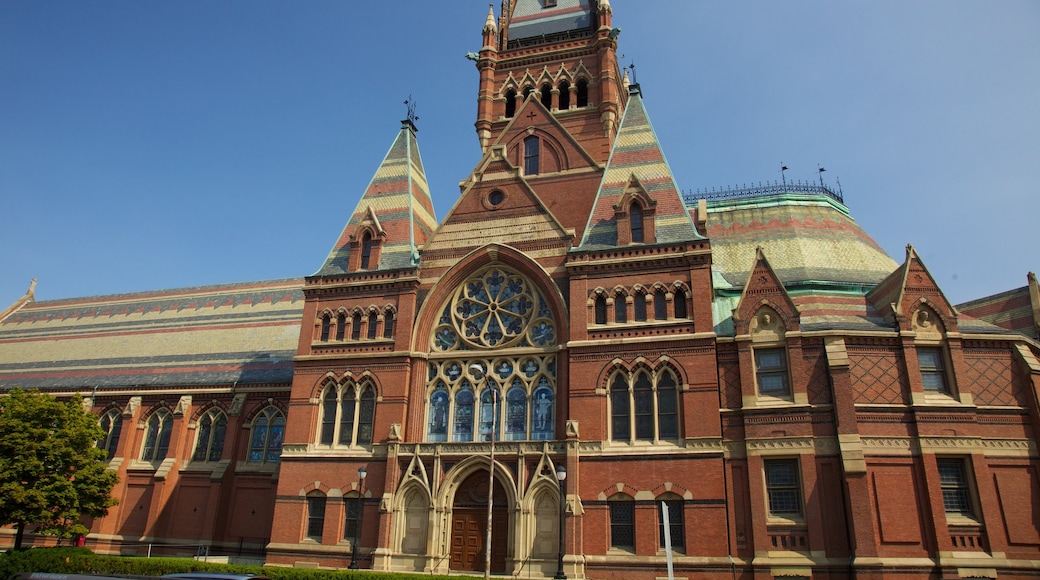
[{"x": 495, "y": 308}]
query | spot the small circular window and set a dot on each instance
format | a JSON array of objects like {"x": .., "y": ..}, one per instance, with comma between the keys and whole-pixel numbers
[{"x": 495, "y": 198}]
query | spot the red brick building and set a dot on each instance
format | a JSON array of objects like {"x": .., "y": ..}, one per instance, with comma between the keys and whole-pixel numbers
[{"x": 754, "y": 364}]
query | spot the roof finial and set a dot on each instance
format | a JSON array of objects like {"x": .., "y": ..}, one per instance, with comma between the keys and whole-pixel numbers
[
  {"x": 604, "y": 6},
  {"x": 410, "y": 103}
]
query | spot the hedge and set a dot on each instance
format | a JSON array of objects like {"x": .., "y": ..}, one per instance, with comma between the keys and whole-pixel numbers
[{"x": 83, "y": 561}]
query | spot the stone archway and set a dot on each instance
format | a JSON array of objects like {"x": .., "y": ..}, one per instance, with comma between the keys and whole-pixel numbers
[{"x": 469, "y": 525}]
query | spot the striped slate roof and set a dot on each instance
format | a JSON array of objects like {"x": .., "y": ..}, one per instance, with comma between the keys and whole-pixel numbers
[
  {"x": 245, "y": 333},
  {"x": 1017, "y": 310},
  {"x": 637, "y": 152},
  {"x": 806, "y": 237},
  {"x": 824, "y": 259},
  {"x": 399, "y": 197},
  {"x": 533, "y": 18}
]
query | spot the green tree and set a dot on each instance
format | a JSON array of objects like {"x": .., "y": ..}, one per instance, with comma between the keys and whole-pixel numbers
[{"x": 51, "y": 471}]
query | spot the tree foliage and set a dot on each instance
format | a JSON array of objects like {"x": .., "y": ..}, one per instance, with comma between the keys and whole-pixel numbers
[{"x": 51, "y": 471}]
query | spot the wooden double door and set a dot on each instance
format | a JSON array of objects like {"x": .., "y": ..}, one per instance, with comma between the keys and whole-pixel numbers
[{"x": 469, "y": 526}]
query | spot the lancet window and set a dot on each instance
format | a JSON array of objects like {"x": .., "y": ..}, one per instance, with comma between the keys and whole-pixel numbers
[
  {"x": 347, "y": 411},
  {"x": 644, "y": 406}
]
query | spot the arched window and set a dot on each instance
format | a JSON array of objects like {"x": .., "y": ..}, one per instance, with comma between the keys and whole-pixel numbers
[
  {"x": 341, "y": 326},
  {"x": 516, "y": 411},
  {"x": 635, "y": 214},
  {"x": 209, "y": 439},
  {"x": 619, "y": 409},
  {"x": 352, "y": 516},
  {"x": 622, "y": 521},
  {"x": 437, "y": 428},
  {"x": 490, "y": 402},
  {"x": 464, "y": 413},
  {"x": 643, "y": 396},
  {"x": 366, "y": 250},
  {"x": 112, "y": 425},
  {"x": 328, "y": 415},
  {"x": 510, "y": 103},
  {"x": 347, "y": 417},
  {"x": 388, "y": 323},
  {"x": 644, "y": 406},
  {"x": 620, "y": 312},
  {"x": 157, "y": 435},
  {"x": 667, "y": 406},
  {"x": 326, "y": 326},
  {"x": 373, "y": 325},
  {"x": 347, "y": 408},
  {"x": 565, "y": 95},
  {"x": 527, "y": 92},
  {"x": 583, "y": 93},
  {"x": 601, "y": 309},
  {"x": 355, "y": 326},
  {"x": 531, "y": 155},
  {"x": 366, "y": 416},
  {"x": 660, "y": 305},
  {"x": 265, "y": 444},
  {"x": 542, "y": 412},
  {"x": 676, "y": 525},
  {"x": 679, "y": 300},
  {"x": 547, "y": 95},
  {"x": 639, "y": 306},
  {"x": 315, "y": 515},
  {"x": 495, "y": 334}
]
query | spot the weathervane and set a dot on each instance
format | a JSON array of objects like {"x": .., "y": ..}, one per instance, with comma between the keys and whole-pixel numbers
[
  {"x": 820, "y": 170},
  {"x": 410, "y": 104}
]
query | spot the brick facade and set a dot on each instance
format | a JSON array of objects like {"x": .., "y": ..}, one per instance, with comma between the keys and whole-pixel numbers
[{"x": 806, "y": 406}]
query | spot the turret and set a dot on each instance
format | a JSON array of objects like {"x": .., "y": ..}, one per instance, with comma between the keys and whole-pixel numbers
[{"x": 486, "y": 91}]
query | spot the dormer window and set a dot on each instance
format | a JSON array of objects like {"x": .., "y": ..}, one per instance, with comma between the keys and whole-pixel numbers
[
  {"x": 549, "y": 4},
  {"x": 366, "y": 251},
  {"x": 636, "y": 219},
  {"x": 531, "y": 156}
]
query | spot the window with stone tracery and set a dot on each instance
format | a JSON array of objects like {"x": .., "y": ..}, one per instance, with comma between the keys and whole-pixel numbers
[
  {"x": 644, "y": 406},
  {"x": 479, "y": 376}
]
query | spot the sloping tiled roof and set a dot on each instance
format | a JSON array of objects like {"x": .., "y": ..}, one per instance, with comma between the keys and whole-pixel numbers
[
  {"x": 533, "y": 18},
  {"x": 1017, "y": 310},
  {"x": 399, "y": 197},
  {"x": 637, "y": 152},
  {"x": 806, "y": 237},
  {"x": 245, "y": 333}
]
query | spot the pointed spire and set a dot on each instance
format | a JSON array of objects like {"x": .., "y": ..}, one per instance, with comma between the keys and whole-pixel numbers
[
  {"x": 637, "y": 155},
  {"x": 489, "y": 24},
  {"x": 396, "y": 209},
  {"x": 625, "y": 82}
]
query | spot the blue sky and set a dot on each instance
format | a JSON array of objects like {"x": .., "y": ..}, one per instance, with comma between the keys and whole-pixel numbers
[{"x": 148, "y": 145}]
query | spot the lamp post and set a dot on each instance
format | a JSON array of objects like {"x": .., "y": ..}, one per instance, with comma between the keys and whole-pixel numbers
[
  {"x": 361, "y": 473},
  {"x": 478, "y": 372},
  {"x": 561, "y": 475}
]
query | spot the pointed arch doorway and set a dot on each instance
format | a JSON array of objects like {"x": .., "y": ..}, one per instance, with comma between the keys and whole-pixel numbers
[{"x": 469, "y": 525}]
